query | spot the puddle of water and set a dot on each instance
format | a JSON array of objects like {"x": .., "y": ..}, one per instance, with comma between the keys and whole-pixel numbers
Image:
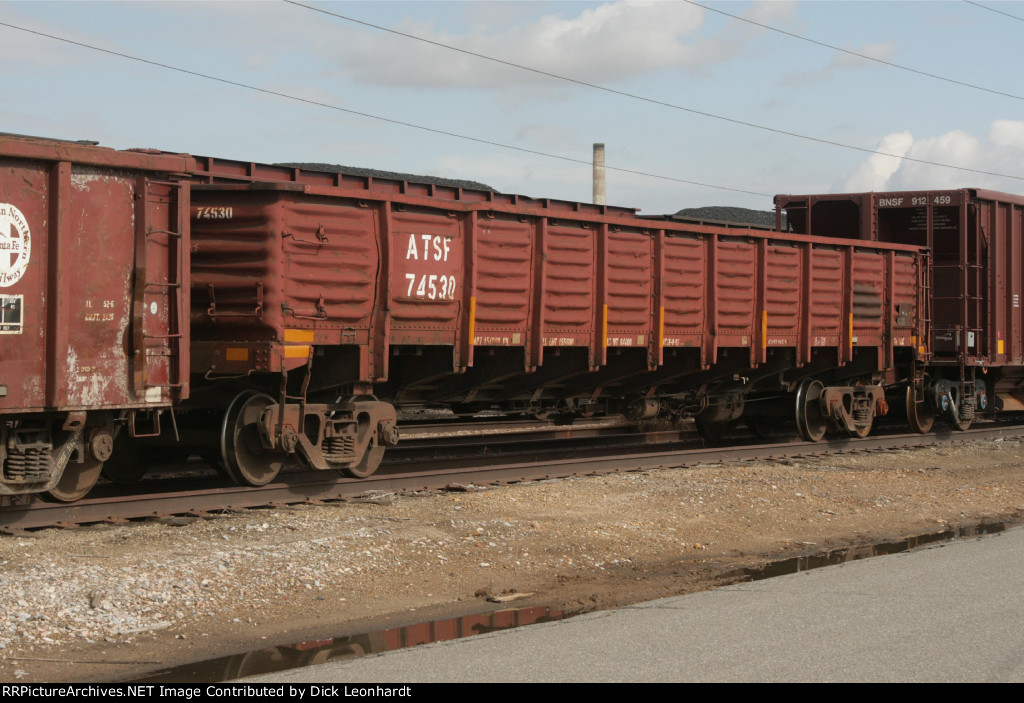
[
  {"x": 832, "y": 557},
  {"x": 293, "y": 656}
]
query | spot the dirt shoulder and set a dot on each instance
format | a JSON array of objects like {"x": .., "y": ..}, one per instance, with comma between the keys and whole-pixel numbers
[{"x": 104, "y": 603}]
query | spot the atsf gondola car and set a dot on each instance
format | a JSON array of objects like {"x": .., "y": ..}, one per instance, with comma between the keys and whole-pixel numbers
[
  {"x": 93, "y": 300},
  {"x": 322, "y": 301},
  {"x": 974, "y": 286}
]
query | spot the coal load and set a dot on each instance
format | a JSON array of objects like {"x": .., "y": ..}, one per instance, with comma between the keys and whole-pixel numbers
[{"x": 392, "y": 175}]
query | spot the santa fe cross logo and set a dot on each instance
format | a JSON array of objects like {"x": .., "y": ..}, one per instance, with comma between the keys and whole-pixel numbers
[{"x": 15, "y": 245}]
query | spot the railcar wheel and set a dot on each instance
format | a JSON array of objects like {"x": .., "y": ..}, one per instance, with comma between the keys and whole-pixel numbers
[
  {"x": 126, "y": 466},
  {"x": 961, "y": 425},
  {"x": 920, "y": 417},
  {"x": 245, "y": 459},
  {"x": 368, "y": 464},
  {"x": 76, "y": 481},
  {"x": 810, "y": 423}
]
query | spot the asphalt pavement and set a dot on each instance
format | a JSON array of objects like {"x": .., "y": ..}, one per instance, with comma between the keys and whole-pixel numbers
[{"x": 949, "y": 612}]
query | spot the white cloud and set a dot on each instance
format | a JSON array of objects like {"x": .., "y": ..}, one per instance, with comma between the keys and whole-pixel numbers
[
  {"x": 614, "y": 41},
  {"x": 1001, "y": 151},
  {"x": 1007, "y": 133},
  {"x": 874, "y": 173}
]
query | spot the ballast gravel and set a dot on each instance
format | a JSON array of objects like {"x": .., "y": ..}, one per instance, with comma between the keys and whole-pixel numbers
[{"x": 108, "y": 602}]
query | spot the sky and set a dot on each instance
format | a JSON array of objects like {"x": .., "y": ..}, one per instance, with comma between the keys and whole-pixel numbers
[{"x": 683, "y": 58}]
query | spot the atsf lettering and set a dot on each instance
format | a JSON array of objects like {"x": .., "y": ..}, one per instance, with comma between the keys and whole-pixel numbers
[
  {"x": 434, "y": 247},
  {"x": 432, "y": 277}
]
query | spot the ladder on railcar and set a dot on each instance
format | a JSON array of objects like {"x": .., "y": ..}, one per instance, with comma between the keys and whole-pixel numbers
[{"x": 160, "y": 310}]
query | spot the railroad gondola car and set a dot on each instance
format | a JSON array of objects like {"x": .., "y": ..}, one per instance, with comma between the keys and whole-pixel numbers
[
  {"x": 321, "y": 302},
  {"x": 93, "y": 306}
]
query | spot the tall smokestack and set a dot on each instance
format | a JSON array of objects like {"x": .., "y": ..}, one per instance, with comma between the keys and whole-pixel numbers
[{"x": 599, "y": 174}]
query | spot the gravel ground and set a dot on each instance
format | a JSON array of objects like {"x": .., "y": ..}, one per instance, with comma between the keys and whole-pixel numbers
[{"x": 102, "y": 603}]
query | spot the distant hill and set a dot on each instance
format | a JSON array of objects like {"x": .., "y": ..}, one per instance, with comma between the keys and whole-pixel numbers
[
  {"x": 374, "y": 173},
  {"x": 738, "y": 215}
]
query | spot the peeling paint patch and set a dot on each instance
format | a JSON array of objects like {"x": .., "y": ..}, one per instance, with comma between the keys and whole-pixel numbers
[
  {"x": 100, "y": 377},
  {"x": 83, "y": 180},
  {"x": 32, "y": 389}
]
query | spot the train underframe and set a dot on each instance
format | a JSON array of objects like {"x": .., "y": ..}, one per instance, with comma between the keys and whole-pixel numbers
[
  {"x": 250, "y": 428},
  {"x": 61, "y": 455},
  {"x": 819, "y": 396}
]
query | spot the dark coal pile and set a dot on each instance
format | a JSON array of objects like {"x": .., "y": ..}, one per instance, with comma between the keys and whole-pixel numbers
[
  {"x": 738, "y": 215},
  {"x": 392, "y": 175}
]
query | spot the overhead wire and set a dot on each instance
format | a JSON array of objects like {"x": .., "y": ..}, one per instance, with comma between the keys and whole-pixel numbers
[
  {"x": 358, "y": 113},
  {"x": 654, "y": 101},
  {"x": 992, "y": 9},
  {"x": 856, "y": 53}
]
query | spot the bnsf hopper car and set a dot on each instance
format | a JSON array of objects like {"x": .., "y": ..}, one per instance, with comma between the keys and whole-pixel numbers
[
  {"x": 974, "y": 285},
  {"x": 320, "y": 302},
  {"x": 93, "y": 307}
]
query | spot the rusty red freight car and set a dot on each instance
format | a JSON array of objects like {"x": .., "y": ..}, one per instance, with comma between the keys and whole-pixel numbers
[
  {"x": 974, "y": 282},
  {"x": 321, "y": 301},
  {"x": 93, "y": 296}
]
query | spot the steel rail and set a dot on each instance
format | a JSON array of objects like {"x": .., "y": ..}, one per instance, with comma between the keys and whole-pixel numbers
[{"x": 442, "y": 473}]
